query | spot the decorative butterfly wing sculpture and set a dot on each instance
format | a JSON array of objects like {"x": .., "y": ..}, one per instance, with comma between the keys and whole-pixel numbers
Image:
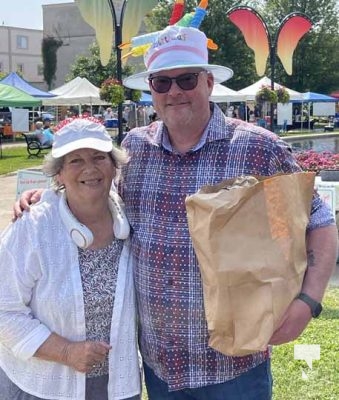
[
  {"x": 98, "y": 14},
  {"x": 256, "y": 34},
  {"x": 292, "y": 29}
]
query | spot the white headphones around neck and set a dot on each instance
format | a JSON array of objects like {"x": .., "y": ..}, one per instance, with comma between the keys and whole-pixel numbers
[{"x": 80, "y": 234}]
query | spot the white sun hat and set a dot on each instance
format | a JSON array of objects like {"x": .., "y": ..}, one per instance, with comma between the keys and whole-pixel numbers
[
  {"x": 81, "y": 133},
  {"x": 177, "y": 47}
]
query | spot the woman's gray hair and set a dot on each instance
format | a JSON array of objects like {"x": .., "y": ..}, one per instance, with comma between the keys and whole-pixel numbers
[{"x": 52, "y": 166}]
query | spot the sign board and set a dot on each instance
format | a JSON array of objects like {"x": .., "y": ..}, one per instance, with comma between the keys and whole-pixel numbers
[
  {"x": 328, "y": 195},
  {"x": 324, "y": 109},
  {"x": 284, "y": 112},
  {"x": 20, "y": 120},
  {"x": 31, "y": 179}
]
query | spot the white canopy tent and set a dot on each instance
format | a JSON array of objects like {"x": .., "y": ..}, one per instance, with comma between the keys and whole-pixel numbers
[
  {"x": 77, "y": 92},
  {"x": 67, "y": 86},
  {"x": 223, "y": 94},
  {"x": 250, "y": 91}
]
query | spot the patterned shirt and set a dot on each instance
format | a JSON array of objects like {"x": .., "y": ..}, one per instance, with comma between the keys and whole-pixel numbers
[
  {"x": 99, "y": 272},
  {"x": 173, "y": 328}
]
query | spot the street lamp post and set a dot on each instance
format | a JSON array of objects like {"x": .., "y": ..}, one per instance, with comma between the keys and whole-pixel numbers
[{"x": 118, "y": 20}]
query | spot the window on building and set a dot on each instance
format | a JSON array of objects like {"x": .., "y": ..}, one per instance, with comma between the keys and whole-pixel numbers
[
  {"x": 1, "y": 67},
  {"x": 40, "y": 70},
  {"x": 20, "y": 68},
  {"x": 21, "y": 42}
]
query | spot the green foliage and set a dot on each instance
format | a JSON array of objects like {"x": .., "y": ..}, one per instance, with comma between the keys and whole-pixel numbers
[
  {"x": 112, "y": 91},
  {"x": 266, "y": 94},
  {"x": 135, "y": 95},
  {"x": 49, "y": 50},
  {"x": 90, "y": 67},
  {"x": 316, "y": 58},
  {"x": 322, "y": 382}
]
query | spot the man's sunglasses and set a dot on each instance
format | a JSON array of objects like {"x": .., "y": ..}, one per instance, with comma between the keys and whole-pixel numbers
[{"x": 162, "y": 84}]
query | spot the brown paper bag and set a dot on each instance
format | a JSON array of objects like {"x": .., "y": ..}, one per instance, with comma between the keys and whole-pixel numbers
[{"x": 250, "y": 245}]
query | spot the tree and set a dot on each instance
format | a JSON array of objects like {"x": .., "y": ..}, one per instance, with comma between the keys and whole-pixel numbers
[
  {"x": 89, "y": 67},
  {"x": 316, "y": 58},
  {"x": 49, "y": 49}
]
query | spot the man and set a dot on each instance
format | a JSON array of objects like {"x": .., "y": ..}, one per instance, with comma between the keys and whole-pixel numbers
[{"x": 194, "y": 145}]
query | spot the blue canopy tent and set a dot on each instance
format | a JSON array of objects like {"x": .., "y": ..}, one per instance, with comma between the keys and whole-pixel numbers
[
  {"x": 14, "y": 80},
  {"x": 145, "y": 100},
  {"x": 312, "y": 97},
  {"x": 317, "y": 97}
]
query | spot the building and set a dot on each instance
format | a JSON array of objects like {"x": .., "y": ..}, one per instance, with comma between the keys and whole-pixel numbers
[
  {"x": 64, "y": 22},
  {"x": 20, "y": 51}
]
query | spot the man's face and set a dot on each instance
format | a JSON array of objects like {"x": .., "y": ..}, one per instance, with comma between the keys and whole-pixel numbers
[{"x": 178, "y": 107}]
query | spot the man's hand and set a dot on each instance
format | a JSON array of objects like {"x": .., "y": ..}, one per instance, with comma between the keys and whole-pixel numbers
[
  {"x": 293, "y": 323},
  {"x": 22, "y": 204}
]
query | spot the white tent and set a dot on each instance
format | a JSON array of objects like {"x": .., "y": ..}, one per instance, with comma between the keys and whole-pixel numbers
[
  {"x": 77, "y": 92},
  {"x": 223, "y": 94},
  {"x": 250, "y": 91},
  {"x": 66, "y": 87}
]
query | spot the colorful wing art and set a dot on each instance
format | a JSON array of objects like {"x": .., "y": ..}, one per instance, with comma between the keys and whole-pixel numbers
[
  {"x": 99, "y": 16},
  {"x": 293, "y": 28},
  {"x": 255, "y": 33},
  {"x": 135, "y": 12},
  {"x": 257, "y": 36}
]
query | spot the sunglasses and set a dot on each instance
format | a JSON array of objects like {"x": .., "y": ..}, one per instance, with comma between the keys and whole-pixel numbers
[{"x": 162, "y": 84}]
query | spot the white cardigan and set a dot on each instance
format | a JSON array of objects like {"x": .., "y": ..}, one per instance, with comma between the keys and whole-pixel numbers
[{"x": 41, "y": 292}]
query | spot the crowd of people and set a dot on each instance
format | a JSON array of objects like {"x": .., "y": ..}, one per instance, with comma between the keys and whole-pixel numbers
[{"x": 67, "y": 320}]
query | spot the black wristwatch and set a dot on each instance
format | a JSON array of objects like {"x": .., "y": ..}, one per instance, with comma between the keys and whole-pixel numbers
[{"x": 315, "y": 307}]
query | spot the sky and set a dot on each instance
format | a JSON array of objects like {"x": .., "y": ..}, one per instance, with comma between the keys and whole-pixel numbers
[{"x": 24, "y": 13}]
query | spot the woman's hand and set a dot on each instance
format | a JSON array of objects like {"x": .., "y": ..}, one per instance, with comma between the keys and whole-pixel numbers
[
  {"x": 82, "y": 356},
  {"x": 22, "y": 204}
]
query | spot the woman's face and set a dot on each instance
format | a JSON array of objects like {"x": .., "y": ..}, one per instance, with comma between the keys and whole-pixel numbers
[{"x": 87, "y": 175}]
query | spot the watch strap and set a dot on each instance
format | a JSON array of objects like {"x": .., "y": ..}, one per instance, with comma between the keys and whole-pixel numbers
[{"x": 315, "y": 306}]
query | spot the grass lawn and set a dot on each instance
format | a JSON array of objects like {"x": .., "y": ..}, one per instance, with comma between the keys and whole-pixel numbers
[
  {"x": 14, "y": 158},
  {"x": 323, "y": 379}
]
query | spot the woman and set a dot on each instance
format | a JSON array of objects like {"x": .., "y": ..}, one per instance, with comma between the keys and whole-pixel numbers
[{"x": 67, "y": 312}]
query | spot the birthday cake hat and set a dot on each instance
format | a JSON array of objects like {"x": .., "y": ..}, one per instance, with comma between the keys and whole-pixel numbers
[{"x": 180, "y": 45}]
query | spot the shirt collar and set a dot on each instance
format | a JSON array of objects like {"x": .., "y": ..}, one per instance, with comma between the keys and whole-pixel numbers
[{"x": 215, "y": 130}]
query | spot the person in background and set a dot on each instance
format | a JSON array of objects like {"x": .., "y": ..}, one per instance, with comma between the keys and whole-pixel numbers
[
  {"x": 44, "y": 135},
  {"x": 38, "y": 127},
  {"x": 67, "y": 312},
  {"x": 108, "y": 114},
  {"x": 193, "y": 145}
]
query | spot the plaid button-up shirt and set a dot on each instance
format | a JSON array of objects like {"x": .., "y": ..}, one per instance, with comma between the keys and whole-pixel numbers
[{"x": 173, "y": 328}]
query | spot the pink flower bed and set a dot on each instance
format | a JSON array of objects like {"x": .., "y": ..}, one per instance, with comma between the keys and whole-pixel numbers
[{"x": 313, "y": 161}]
